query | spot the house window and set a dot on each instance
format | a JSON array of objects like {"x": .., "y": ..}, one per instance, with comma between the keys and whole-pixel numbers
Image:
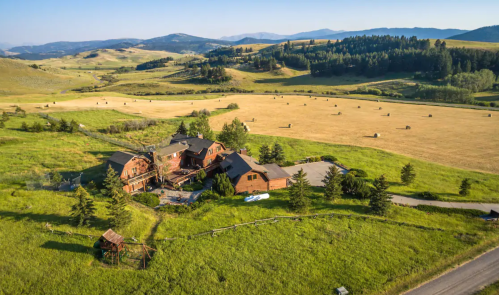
[
  {"x": 210, "y": 161},
  {"x": 218, "y": 148},
  {"x": 134, "y": 171},
  {"x": 210, "y": 151},
  {"x": 126, "y": 173},
  {"x": 250, "y": 178},
  {"x": 254, "y": 176}
]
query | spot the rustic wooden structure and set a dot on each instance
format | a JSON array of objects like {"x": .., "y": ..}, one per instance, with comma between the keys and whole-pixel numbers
[{"x": 112, "y": 246}]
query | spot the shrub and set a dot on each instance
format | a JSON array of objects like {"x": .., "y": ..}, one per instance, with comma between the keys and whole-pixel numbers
[
  {"x": 196, "y": 186},
  {"x": 483, "y": 104},
  {"x": 465, "y": 212},
  {"x": 148, "y": 199},
  {"x": 195, "y": 113},
  {"x": 493, "y": 104},
  {"x": 428, "y": 196},
  {"x": 233, "y": 106},
  {"x": 208, "y": 195},
  {"x": 179, "y": 209},
  {"x": 205, "y": 112},
  {"x": 288, "y": 164},
  {"x": 330, "y": 158},
  {"x": 359, "y": 173}
]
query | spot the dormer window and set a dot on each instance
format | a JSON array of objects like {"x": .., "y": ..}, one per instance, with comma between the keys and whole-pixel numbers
[{"x": 210, "y": 151}]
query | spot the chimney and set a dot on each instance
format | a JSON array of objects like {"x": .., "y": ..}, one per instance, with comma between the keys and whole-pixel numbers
[
  {"x": 200, "y": 135},
  {"x": 243, "y": 151}
]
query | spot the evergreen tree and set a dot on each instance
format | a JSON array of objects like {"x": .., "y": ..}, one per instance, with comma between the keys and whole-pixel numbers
[
  {"x": 5, "y": 117},
  {"x": 37, "y": 127},
  {"x": 83, "y": 211},
  {"x": 467, "y": 66},
  {"x": 443, "y": 46},
  {"x": 182, "y": 129},
  {"x": 348, "y": 183},
  {"x": 63, "y": 125},
  {"x": 119, "y": 216},
  {"x": 380, "y": 200},
  {"x": 298, "y": 192},
  {"x": 56, "y": 179},
  {"x": 438, "y": 43},
  {"x": 265, "y": 155},
  {"x": 407, "y": 175},
  {"x": 2, "y": 124},
  {"x": 464, "y": 189},
  {"x": 73, "y": 126},
  {"x": 222, "y": 185},
  {"x": 332, "y": 182},
  {"x": 200, "y": 177},
  {"x": 194, "y": 70},
  {"x": 112, "y": 182},
  {"x": 201, "y": 126},
  {"x": 277, "y": 155},
  {"x": 233, "y": 135}
]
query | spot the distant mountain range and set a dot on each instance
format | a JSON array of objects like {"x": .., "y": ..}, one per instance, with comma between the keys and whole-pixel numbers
[
  {"x": 272, "y": 36},
  {"x": 485, "y": 34},
  {"x": 183, "y": 43}
]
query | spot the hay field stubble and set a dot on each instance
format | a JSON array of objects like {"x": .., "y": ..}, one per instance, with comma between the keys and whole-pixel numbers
[{"x": 461, "y": 138}]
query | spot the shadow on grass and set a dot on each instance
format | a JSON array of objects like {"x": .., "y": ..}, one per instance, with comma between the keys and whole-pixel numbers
[
  {"x": 53, "y": 219},
  {"x": 76, "y": 248}
]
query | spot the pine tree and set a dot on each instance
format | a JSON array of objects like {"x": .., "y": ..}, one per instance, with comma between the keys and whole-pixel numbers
[
  {"x": 464, "y": 189},
  {"x": 119, "y": 216},
  {"x": 467, "y": 66},
  {"x": 265, "y": 155},
  {"x": 277, "y": 155},
  {"x": 298, "y": 192},
  {"x": 2, "y": 124},
  {"x": 182, "y": 129},
  {"x": 73, "y": 126},
  {"x": 233, "y": 135},
  {"x": 201, "y": 126},
  {"x": 56, "y": 179},
  {"x": 25, "y": 127},
  {"x": 222, "y": 185},
  {"x": 332, "y": 182},
  {"x": 348, "y": 183},
  {"x": 63, "y": 125},
  {"x": 112, "y": 182},
  {"x": 5, "y": 117},
  {"x": 380, "y": 200},
  {"x": 407, "y": 175},
  {"x": 83, "y": 211},
  {"x": 438, "y": 43}
]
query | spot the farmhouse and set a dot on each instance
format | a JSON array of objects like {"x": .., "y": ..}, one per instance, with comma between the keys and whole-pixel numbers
[
  {"x": 248, "y": 176},
  {"x": 174, "y": 164},
  {"x": 136, "y": 171}
]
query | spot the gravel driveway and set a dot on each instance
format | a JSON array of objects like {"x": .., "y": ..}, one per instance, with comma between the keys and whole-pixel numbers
[{"x": 315, "y": 171}]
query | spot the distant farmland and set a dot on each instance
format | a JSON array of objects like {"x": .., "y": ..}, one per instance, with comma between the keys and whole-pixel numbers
[{"x": 460, "y": 138}]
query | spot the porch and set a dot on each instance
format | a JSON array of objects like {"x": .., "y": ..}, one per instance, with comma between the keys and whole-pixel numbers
[{"x": 178, "y": 177}]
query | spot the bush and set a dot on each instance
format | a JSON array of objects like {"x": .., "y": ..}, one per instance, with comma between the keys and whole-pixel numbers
[
  {"x": 428, "y": 196},
  {"x": 148, "y": 199},
  {"x": 196, "y": 186},
  {"x": 330, "y": 158},
  {"x": 288, "y": 164},
  {"x": 493, "y": 104},
  {"x": 205, "y": 112},
  {"x": 195, "y": 113},
  {"x": 179, "y": 209},
  {"x": 483, "y": 104},
  {"x": 359, "y": 173},
  {"x": 233, "y": 106},
  {"x": 465, "y": 212},
  {"x": 208, "y": 195}
]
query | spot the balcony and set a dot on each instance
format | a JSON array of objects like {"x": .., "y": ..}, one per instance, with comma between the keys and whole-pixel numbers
[{"x": 141, "y": 177}]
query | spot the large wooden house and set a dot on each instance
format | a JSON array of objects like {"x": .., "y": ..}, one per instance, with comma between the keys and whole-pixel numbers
[
  {"x": 173, "y": 165},
  {"x": 248, "y": 176}
]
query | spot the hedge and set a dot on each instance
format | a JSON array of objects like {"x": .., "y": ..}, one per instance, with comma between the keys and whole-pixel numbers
[{"x": 465, "y": 212}]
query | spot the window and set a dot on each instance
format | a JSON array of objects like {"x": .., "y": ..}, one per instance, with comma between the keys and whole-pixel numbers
[
  {"x": 218, "y": 148},
  {"x": 250, "y": 178},
  {"x": 254, "y": 176},
  {"x": 126, "y": 173},
  {"x": 210, "y": 161},
  {"x": 210, "y": 151},
  {"x": 134, "y": 171}
]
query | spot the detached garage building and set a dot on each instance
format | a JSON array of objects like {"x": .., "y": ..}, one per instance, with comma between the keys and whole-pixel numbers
[{"x": 248, "y": 176}]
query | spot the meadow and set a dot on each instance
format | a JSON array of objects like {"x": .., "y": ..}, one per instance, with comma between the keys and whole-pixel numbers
[{"x": 456, "y": 137}]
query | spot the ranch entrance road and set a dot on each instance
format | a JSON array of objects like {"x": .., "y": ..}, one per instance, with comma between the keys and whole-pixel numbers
[{"x": 464, "y": 280}]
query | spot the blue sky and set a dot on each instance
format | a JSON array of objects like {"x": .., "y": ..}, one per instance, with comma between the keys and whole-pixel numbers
[{"x": 42, "y": 21}]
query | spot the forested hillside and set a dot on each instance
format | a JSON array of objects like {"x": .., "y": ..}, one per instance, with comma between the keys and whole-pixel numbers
[{"x": 485, "y": 34}]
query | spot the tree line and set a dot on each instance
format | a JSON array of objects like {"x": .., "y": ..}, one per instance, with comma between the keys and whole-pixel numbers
[{"x": 152, "y": 64}]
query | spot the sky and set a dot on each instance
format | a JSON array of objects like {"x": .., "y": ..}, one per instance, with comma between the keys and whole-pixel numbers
[{"x": 43, "y": 21}]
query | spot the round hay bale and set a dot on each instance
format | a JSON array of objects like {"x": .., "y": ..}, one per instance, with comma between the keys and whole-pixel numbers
[
  {"x": 150, "y": 100},
  {"x": 192, "y": 103},
  {"x": 327, "y": 99},
  {"x": 377, "y": 135},
  {"x": 54, "y": 102},
  {"x": 316, "y": 98},
  {"x": 305, "y": 104},
  {"x": 408, "y": 127},
  {"x": 107, "y": 102},
  {"x": 47, "y": 106},
  {"x": 380, "y": 108},
  {"x": 135, "y": 100},
  {"x": 254, "y": 119},
  {"x": 335, "y": 105},
  {"x": 358, "y": 107},
  {"x": 430, "y": 115},
  {"x": 490, "y": 115},
  {"x": 288, "y": 103},
  {"x": 290, "y": 125},
  {"x": 377, "y": 100},
  {"x": 124, "y": 103},
  {"x": 282, "y": 96},
  {"x": 388, "y": 114},
  {"x": 97, "y": 102},
  {"x": 339, "y": 113}
]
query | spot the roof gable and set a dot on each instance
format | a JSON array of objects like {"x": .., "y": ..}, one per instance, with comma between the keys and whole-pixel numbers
[{"x": 113, "y": 237}]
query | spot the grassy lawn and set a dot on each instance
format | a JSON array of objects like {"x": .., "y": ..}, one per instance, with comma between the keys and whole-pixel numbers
[
  {"x": 489, "y": 290},
  {"x": 442, "y": 180}
]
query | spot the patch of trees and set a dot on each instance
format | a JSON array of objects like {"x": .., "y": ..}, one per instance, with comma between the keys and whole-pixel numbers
[
  {"x": 444, "y": 94},
  {"x": 61, "y": 126},
  {"x": 91, "y": 55},
  {"x": 109, "y": 78},
  {"x": 475, "y": 82},
  {"x": 123, "y": 70},
  {"x": 215, "y": 75},
  {"x": 201, "y": 126},
  {"x": 133, "y": 125},
  {"x": 266, "y": 64},
  {"x": 203, "y": 112},
  {"x": 153, "y": 64},
  {"x": 233, "y": 135},
  {"x": 274, "y": 155},
  {"x": 377, "y": 92}
]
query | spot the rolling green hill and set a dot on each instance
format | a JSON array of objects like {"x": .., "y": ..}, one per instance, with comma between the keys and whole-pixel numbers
[{"x": 485, "y": 34}]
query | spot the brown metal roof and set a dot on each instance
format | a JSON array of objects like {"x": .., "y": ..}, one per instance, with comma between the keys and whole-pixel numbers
[{"x": 112, "y": 237}]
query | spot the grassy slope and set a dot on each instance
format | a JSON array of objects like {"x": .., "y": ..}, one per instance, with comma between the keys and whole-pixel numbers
[
  {"x": 107, "y": 58},
  {"x": 17, "y": 78},
  {"x": 489, "y": 290}
]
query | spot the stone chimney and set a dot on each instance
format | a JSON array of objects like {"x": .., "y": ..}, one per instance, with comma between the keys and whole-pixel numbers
[
  {"x": 243, "y": 151},
  {"x": 200, "y": 135}
]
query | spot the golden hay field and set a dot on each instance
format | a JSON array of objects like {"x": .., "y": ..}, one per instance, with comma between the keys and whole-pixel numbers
[{"x": 462, "y": 138}]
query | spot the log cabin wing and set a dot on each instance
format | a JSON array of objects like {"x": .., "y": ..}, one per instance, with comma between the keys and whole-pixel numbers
[
  {"x": 135, "y": 170},
  {"x": 201, "y": 152},
  {"x": 248, "y": 176}
]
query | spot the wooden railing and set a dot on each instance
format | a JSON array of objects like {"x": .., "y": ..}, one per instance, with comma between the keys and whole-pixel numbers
[{"x": 141, "y": 177}]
